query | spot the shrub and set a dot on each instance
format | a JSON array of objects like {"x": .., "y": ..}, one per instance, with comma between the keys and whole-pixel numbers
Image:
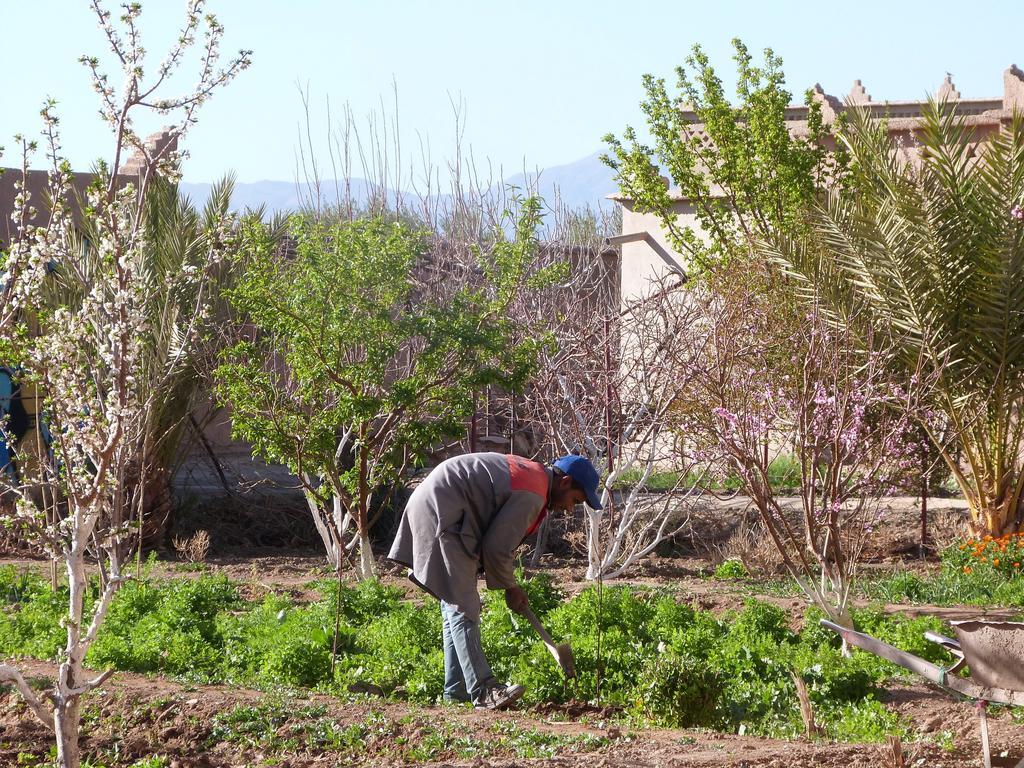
[
  {"x": 731, "y": 569},
  {"x": 167, "y": 628},
  {"x": 1003, "y": 556},
  {"x": 680, "y": 691}
]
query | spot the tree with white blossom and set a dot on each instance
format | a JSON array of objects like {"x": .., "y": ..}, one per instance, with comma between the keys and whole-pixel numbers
[{"x": 91, "y": 300}]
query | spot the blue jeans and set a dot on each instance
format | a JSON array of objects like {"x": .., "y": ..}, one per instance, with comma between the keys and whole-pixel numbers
[{"x": 467, "y": 675}]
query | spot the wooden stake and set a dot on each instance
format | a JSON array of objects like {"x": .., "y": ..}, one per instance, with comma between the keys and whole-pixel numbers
[{"x": 811, "y": 729}]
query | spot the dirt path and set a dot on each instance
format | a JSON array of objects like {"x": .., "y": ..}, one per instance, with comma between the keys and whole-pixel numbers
[{"x": 135, "y": 716}]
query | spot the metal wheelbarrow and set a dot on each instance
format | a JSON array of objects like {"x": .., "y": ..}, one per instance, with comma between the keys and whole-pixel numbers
[{"x": 992, "y": 650}]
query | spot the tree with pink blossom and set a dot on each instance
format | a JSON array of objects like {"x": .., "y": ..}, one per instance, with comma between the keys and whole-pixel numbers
[{"x": 776, "y": 379}]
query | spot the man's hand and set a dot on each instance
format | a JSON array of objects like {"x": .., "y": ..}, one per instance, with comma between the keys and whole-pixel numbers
[{"x": 516, "y": 599}]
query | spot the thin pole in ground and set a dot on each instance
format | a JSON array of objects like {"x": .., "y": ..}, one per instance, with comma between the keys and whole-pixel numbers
[{"x": 337, "y": 614}]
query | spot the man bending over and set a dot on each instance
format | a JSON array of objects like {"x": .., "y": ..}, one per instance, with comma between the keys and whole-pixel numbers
[{"x": 469, "y": 516}]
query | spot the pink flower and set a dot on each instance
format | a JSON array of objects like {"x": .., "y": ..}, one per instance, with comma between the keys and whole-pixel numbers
[
  {"x": 1017, "y": 212},
  {"x": 725, "y": 414}
]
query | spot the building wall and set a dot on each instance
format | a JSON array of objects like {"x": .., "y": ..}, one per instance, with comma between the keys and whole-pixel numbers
[{"x": 641, "y": 266}]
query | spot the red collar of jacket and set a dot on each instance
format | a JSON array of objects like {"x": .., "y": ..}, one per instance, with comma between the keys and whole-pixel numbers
[{"x": 532, "y": 476}]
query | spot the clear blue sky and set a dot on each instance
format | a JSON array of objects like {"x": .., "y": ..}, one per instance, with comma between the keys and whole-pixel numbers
[{"x": 541, "y": 81}]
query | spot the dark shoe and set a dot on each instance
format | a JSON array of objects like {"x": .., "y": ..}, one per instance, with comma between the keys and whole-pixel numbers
[{"x": 500, "y": 696}]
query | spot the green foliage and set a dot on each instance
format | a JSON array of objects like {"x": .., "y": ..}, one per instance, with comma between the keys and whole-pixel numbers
[
  {"x": 155, "y": 761},
  {"x": 171, "y": 627},
  {"x": 905, "y": 633},
  {"x": 274, "y": 641},
  {"x": 364, "y": 602},
  {"x": 278, "y": 723},
  {"x": 866, "y": 720},
  {"x": 400, "y": 649},
  {"x": 358, "y": 362},
  {"x": 680, "y": 691},
  {"x": 31, "y": 615},
  {"x": 783, "y": 475},
  {"x": 979, "y": 573},
  {"x": 658, "y": 480},
  {"x": 657, "y": 659},
  {"x": 738, "y": 164},
  {"x": 731, "y": 569},
  {"x": 1002, "y": 556},
  {"x": 932, "y": 252}
]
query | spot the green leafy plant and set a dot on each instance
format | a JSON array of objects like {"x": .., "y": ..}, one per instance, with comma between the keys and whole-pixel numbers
[
  {"x": 731, "y": 569},
  {"x": 657, "y": 660},
  {"x": 680, "y": 691},
  {"x": 356, "y": 367},
  {"x": 170, "y": 627}
]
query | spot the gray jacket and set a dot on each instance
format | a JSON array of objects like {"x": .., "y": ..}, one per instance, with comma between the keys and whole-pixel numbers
[{"x": 471, "y": 513}]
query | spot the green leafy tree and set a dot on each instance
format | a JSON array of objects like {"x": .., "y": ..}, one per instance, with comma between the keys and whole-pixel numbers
[
  {"x": 357, "y": 367},
  {"x": 738, "y": 164},
  {"x": 933, "y": 249}
]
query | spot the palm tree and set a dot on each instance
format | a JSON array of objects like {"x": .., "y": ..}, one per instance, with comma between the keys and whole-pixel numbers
[
  {"x": 179, "y": 240},
  {"x": 932, "y": 247}
]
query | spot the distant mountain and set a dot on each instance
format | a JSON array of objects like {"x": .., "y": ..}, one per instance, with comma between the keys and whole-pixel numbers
[
  {"x": 275, "y": 196},
  {"x": 585, "y": 182}
]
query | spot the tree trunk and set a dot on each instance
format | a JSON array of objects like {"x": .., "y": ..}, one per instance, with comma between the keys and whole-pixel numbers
[
  {"x": 157, "y": 502},
  {"x": 67, "y": 714},
  {"x": 923, "y": 549},
  {"x": 67, "y": 720},
  {"x": 367, "y": 568},
  {"x": 327, "y": 522},
  {"x": 157, "y": 507},
  {"x": 841, "y": 616}
]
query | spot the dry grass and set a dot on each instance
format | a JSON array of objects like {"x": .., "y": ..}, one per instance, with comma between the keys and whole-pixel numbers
[
  {"x": 752, "y": 546},
  {"x": 947, "y": 527},
  {"x": 195, "y": 548}
]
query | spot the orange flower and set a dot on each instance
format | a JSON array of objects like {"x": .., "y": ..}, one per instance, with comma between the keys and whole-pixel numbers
[
  {"x": 995, "y": 562},
  {"x": 1016, "y": 565},
  {"x": 967, "y": 569}
]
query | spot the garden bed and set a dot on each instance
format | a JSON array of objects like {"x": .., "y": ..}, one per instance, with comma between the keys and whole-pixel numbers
[
  {"x": 235, "y": 662},
  {"x": 135, "y": 717}
]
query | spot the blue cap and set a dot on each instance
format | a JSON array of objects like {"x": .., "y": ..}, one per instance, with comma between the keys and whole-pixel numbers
[{"x": 582, "y": 471}]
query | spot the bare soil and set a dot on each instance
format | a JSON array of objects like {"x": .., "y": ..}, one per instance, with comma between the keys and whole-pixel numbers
[{"x": 134, "y": 716}]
